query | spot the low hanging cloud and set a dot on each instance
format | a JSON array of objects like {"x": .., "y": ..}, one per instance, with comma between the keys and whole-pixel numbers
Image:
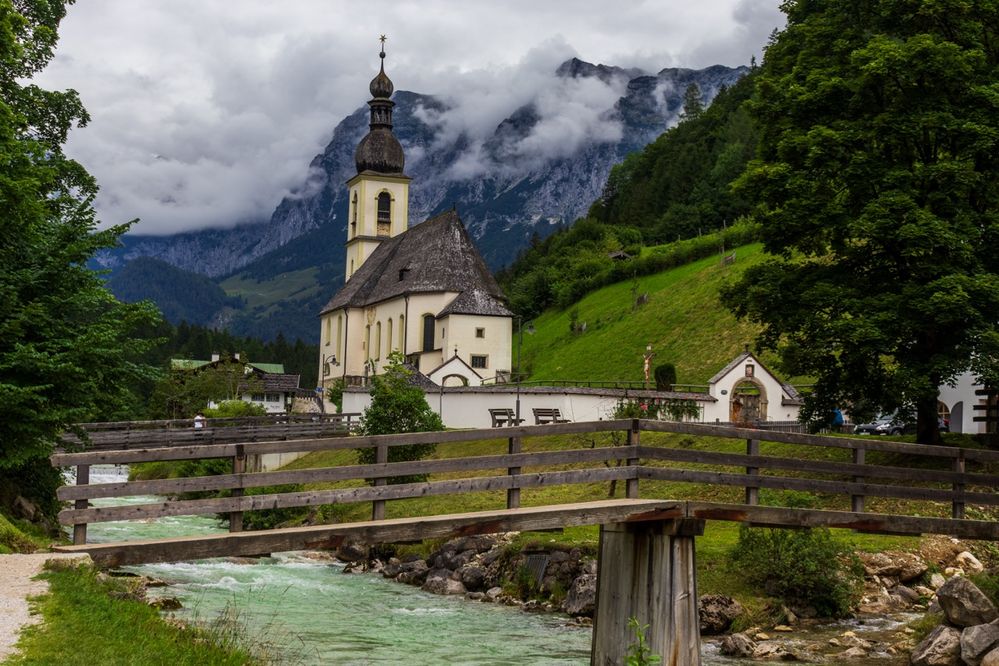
[{"x": 203, "y": 116}]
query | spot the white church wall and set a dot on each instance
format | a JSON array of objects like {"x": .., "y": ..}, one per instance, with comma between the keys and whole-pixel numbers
[
  {"x": 722, "y": 391},
  {"x": 495, "y": 344}
]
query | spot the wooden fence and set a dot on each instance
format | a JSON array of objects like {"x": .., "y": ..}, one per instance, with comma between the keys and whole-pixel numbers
[
  {"x": 903, "y": 475},
  {"x": 145, "y": 434}
]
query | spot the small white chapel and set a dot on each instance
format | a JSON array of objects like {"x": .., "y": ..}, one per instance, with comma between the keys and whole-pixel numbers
[{"x": 423, "y": 290}]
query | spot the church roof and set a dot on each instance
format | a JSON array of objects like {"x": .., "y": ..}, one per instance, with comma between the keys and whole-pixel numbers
[
  {"x": 437, "y": 255},
  {"x": 475, "y": 302}
]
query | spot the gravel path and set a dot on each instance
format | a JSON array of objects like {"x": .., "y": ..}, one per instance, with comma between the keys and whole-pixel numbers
[{"x": 16, "y": 585}]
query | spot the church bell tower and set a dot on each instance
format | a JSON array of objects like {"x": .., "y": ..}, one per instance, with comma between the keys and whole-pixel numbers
[{"x": 379, "y": 193}]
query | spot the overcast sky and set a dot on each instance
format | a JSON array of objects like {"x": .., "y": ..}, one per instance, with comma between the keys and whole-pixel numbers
[{"x": 207, "y": 112}]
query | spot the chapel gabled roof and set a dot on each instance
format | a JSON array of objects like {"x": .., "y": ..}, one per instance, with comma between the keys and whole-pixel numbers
[
  {"x": 435, "y": 256},
  {"x": 475, "y": 302}
]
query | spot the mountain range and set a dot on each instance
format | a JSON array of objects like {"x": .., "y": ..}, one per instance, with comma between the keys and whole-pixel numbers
[{"x": 540, "y": 167}]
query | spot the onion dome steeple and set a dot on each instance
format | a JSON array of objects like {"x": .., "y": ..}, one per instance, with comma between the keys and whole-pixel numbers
[{"x": 380, "y": 150}]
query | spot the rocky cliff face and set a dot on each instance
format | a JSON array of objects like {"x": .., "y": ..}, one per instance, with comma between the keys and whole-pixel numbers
[{"x": 542, "y": 166}]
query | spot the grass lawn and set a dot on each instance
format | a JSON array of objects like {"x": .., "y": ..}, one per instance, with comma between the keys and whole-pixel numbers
[
  {"x": 88, "y": 621},
  {"x": 683, "y": 321}
]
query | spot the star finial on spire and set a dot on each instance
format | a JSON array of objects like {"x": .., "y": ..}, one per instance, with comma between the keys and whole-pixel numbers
[{"x": 382, "y": 39}]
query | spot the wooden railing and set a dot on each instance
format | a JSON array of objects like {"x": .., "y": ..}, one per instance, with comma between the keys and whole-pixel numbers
[
  {"x": 901, "y": 475},
  {"x": 131, "y": 434}
]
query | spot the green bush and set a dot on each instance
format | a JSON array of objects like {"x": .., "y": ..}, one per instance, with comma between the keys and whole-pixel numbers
[
  {"x": 665, "y": 375},
  {"x": 229, "y": 409},
  {"x": 398, "y": 406},
  {"x": 801, "y": 567}
]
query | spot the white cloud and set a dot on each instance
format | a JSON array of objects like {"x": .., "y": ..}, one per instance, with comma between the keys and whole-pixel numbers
[{"x": 207, "y": 113}]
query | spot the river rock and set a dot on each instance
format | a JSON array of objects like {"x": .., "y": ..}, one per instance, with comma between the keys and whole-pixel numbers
[
  {"x": 439, "y": 581},
  {"x": 852, "y": 653},
  {"x": 716, "y": 613},
  {"x": 166, "y": 603},
  {"x": 413, "y": 573},
  {"x": 969, "y": 562},
  {"x": 738, "y": 645},
  {"x": 493, "y": 593},
  {"x": 906, "y": 594},
  {"x": 773, "y": 651},
  {"x": 352, "y": 551},
  {"x": 964, "y": 603},
  {"x": 991, "y": 659},
  {"x": 473, "y": 577},
  {"x": 582, "y": 596},
  {"x": 900, "y": 566},
  {"x": 942, "y": 647},
  {"x": 978, "y": 641},
  {"x": 937, "y": 581}
]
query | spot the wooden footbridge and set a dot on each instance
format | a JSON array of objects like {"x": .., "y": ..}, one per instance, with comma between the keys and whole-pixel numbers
[{"x": 646, "y": 554}]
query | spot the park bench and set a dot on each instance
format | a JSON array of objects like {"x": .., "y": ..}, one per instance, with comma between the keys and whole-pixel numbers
[
  {"x": 544, "y": 415},
  {"x": 503, "y": 417}
]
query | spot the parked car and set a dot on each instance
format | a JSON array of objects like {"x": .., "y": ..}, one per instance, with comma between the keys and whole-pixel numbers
[
  {"x": 892, "y": 425},
  {"x": 882, "y": 425}
]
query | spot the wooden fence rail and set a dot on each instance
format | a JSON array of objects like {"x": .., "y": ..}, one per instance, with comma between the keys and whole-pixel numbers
[{"x": 628, "y": 456}]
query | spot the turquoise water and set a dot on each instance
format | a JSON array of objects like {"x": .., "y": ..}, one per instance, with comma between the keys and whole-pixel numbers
[{"x": 313, "y": 613}]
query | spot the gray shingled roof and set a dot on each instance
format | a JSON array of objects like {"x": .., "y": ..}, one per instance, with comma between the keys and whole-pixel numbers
[
  {"x": 277, "y": 383},
  {"x": 437, "y": 255},
  {"x": 475, "y": 302}
]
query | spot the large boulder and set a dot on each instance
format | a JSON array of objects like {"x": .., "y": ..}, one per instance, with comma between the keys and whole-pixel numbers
[
  {"x": 582, "y": 596},
  {"x": 717, "y": 612},
  {"x": 901, "y": 566},
  {"x": 413, "y": 573},
  {"x": 738, "y": 645},
  {"x": 978, "y": 641},
  {"x": 439, "y": 581},
  {"x": 941, "y": 648},
  {"x": 473, "y": 577},
  {"x": 964, "y": 604}
]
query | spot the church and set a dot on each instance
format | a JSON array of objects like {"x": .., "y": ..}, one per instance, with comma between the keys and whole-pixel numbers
[{"x": 423, "y": 291}]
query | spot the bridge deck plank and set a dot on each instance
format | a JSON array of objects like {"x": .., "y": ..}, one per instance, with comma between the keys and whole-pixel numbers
[{"x": 329, "y": 537}]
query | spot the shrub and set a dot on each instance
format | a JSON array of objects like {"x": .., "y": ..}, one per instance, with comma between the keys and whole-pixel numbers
[
  {"x": 235, "y": 409},
  {"x": 398, "y": 406},
  {"x": 665, "y": 375},
  {"x": 801, "y": 567}
]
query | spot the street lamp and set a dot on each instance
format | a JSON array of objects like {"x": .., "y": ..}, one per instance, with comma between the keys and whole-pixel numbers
[
  {"x": 520, "y": 344},
  {"x": 327, "y": 362}
]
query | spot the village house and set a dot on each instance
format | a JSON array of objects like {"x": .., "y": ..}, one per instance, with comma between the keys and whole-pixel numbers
[
  {"x": 423, "y": 291},
  {"x": 264, "y": 384}
]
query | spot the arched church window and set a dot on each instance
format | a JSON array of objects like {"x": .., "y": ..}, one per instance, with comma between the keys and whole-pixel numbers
[
  {"x": 384, "y": 214},
  {"x": 428, "y": 332},
  {"x": 388, "y": 342}
]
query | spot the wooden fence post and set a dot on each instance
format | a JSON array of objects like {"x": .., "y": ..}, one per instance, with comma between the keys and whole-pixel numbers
[
  {"x": 857, "y": 501},
  {"x": 957, "y": 506},
  {"x": 378, "y": 506},
  {"x": 631, "y": 485},
  {"x": 752, "y": 492},
  {"x": 238, "y": 467},
  {"x": 513, "y": 494},
  {"x": 80, "y": 529}
]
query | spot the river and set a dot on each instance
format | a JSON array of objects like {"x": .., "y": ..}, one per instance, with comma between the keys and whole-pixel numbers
[{"x": 312, "y": 613}]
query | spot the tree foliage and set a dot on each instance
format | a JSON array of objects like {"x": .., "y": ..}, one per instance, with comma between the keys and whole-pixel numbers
[
  {"x": 675, "y": 190},
  {"x": 182, "y": 393},
  {"x": 66, "y": 350},
  {"x": 877, "y": 186},
  {"x": 398, "y": 406}
]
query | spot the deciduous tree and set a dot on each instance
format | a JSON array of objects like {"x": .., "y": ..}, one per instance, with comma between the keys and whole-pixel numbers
[
  {"x": 65, "y": 350},
  {"x": 877, "y": 183}
]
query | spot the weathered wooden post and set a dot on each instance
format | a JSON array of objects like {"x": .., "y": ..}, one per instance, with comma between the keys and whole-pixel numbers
[
  {"x": 957, "y": 505},
  {"x": 634, "y": 437},
  {"x": 646, "y": 571},
  {"x": 80, "y": 529},
  {"x": 378, "y": 506},
  {"x": 513, "y": 494},
  {"x": 857, "y": 501},
  {"x": 752, "y": 491},
  {"x": 238, "y": 467}
]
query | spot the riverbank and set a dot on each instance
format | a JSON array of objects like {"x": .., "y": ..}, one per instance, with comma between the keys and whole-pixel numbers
[{"x": 88, "y": 618}]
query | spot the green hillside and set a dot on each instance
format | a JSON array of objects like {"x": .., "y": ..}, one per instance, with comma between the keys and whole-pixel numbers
[{"x": 683, "y": 321}]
